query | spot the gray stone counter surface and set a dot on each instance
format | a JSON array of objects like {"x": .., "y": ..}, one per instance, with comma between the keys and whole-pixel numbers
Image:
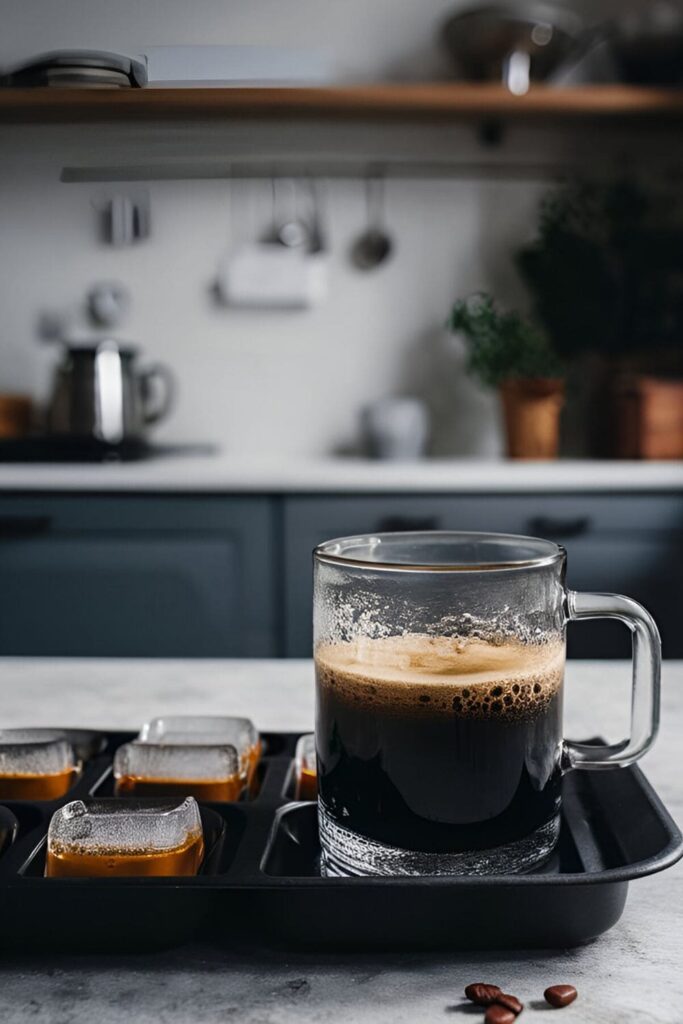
[
  {"x": 632, "y": 974},
  {"x": 225, "y": 473}
]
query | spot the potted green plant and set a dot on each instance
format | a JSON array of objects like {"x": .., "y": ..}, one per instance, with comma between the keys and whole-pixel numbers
[
  {"x": 507, "y": 352},
  {"x": 606, "y": 275}
]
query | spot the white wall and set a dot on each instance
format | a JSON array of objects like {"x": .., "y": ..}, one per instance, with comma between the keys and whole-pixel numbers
[{"x": 290, "y": 382}]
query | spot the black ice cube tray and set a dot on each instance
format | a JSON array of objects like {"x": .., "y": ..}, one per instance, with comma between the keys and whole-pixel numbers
[{"x": 260, "y": 882}]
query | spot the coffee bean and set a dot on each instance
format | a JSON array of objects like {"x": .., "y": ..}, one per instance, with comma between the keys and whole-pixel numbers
[
  {"x": 510, "y": 1002},
  {"x": 560, "y": 995},
  {"x": 497, "y": 1014},
  {"x": 482, "y": 994}
]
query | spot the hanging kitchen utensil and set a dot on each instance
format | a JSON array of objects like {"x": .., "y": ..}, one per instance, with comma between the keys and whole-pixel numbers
[
  {"x": 316, "y": 242},
  {"x": 374, "y": 246},
  {"x": 280, "y": 272},
  {"x": 288, "y": 228}
]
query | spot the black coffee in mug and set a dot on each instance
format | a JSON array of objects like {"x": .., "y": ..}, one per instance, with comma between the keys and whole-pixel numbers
[
  {"x": 440, "y": 744},
  {"x": 439, "y": 666}
]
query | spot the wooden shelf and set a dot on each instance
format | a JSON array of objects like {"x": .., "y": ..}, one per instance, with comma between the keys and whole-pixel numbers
[{"x": 416, "y": 101}]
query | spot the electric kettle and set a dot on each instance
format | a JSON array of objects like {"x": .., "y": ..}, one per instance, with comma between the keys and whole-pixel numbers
[{"x": 99, "y": 393}]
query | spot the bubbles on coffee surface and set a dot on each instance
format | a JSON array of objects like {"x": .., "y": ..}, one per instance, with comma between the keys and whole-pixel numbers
[{"x": 468, "y": 676}]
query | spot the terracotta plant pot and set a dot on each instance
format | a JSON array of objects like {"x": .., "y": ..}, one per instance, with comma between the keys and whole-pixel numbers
[
  {"x": 532, "y": 417},
  {"x": 649, "y": 415},
  {"x": 15, "y": 415}
]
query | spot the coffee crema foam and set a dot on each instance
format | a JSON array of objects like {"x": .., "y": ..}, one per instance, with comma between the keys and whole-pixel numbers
[{"x": 466, "y": 676}]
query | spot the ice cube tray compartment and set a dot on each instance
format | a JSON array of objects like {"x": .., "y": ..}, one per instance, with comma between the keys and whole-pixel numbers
[
  {"x": 222, "y": 835},
  {"x": 9, "y": 829}
]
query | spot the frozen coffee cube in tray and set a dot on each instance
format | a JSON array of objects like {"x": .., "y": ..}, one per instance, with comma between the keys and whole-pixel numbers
[
  {"x": 86, "y": 743},
  {"x": 207, "y": 772},
  {"x": 35, "y": 764},
  {"x": 240, "y": 733},
  {"x": 305, "y": 769},
  {"x": 108, "y": 839}
]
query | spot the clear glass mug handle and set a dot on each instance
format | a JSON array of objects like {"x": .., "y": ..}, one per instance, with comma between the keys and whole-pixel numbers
[{"x": 646, "y": 665}]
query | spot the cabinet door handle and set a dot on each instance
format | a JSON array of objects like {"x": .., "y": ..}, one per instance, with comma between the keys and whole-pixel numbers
[
  {"x": 15, "y": 527},
  {"x": 406, "y": 524},
  {"x": 548, "y": 526}
]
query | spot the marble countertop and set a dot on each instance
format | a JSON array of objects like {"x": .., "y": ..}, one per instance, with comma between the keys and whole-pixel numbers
[
  {"x": 631, "y": 974},
  {"x": 229, "y": 473}
]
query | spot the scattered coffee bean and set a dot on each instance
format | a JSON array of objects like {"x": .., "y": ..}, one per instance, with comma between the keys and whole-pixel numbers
[
  {"x": 510, "y": 1002},
  {"x": 560, "y": 995},
  {"x": 481, "y": 994},
  {"x": 497, "y": 1014}
]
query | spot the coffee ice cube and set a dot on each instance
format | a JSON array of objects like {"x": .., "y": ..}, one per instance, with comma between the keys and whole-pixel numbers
[
  {"x": 208, "y": 729},
  {"x": 189, "y": 769},
  {"x": 87, "y": 743},
  {"x": 305, "y": 769},
  {"x": 113, "y": 839},
  {"x": 35, "y": 764}
]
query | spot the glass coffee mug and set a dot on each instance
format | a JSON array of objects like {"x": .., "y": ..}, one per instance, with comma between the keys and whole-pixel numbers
[{"x": 439, "y": 670}]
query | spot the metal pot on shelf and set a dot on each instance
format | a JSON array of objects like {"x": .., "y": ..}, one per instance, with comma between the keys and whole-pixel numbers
[
  {"x": 513, "y": 44},
  {"x": 99, "y": 393}
]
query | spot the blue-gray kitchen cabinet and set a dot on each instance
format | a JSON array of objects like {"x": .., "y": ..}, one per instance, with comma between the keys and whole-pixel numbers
[
  {"x": 626, "y": 543},
  {"x": 137, "y": 576}
]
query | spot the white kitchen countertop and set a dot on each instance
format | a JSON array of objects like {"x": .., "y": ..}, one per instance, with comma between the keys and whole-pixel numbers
[
  {"x": 223, "y": 473},
  {"x": 631, "y": 975}
]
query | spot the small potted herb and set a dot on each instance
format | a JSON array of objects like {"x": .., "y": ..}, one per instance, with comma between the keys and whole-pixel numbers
[{"x": 507, "y": 352}]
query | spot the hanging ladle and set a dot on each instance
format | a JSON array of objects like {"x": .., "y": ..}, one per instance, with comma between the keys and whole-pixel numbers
[
  {"x": 289, "y": 230},
  {"x": 374, "y": 246}
]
